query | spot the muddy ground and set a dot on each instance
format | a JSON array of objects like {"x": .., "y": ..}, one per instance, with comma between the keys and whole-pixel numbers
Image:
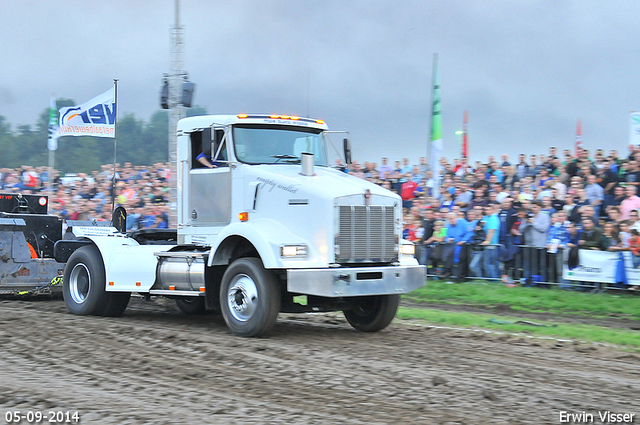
[{"x": 155, "y": 365}]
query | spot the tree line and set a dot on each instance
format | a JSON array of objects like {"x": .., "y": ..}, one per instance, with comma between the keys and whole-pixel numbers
[{"x": 138, "y": 142}]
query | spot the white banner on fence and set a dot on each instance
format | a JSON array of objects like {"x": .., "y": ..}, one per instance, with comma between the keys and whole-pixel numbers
[
  {"x": 601, "y": 266},
  {"x": 633, "y": 274}
]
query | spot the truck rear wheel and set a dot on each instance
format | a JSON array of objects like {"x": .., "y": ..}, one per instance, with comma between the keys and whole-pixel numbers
[
  {"x": 191, "y": 305},
  {"x": 372, "y": 313},
  {"x": 83, "y": 286},
  {"x": 117, "y": 303},
  {"x": 249, "y": 298}
]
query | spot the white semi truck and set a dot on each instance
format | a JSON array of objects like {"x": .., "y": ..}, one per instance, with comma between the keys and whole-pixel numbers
[{"x": 270, "y": 224}]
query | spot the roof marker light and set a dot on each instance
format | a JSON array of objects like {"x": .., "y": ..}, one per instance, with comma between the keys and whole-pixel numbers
[
  {"x": 243, "y": 116},
  {"x": 319, "y": 122}
]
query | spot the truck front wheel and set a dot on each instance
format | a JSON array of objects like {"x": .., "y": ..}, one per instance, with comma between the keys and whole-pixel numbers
[
  {"x": 372, "y": 313},
  {"x": 249, "y": 298}
]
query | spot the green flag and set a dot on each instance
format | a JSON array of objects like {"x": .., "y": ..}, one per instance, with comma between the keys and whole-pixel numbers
[{"x": 436, "y": 125}]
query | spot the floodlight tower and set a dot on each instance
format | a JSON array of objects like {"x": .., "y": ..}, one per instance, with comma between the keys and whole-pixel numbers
[
  {"x": 176, "y": 110},
  {"x": 176, "y": 95}
]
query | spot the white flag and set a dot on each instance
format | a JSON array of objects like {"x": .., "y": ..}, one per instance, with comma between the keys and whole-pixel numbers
[{"x": 96, "y": 117}]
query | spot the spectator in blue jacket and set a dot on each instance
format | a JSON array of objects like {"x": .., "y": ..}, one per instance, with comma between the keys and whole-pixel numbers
[
  {"x": 491, "y": 248},
  {"x": 458, "y": 235}
]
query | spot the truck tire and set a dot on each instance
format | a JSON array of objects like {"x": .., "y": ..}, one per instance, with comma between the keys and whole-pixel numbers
[
  {"x": 249, "y": 298},
  {"x": 372, "y": 313},
  {"x": 83, "y": 285},
  {"x": 116, "y": 303},
  {"x": 191, "y": 305}
]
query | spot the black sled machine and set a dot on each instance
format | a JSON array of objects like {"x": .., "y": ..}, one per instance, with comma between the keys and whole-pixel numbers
[{"x": 27, "y": 237}]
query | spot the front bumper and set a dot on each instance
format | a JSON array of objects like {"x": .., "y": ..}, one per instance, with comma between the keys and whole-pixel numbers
[{"x": 358, "y": 281}]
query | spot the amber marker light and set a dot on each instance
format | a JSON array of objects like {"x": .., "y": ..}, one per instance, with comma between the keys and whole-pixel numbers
[
  {"x": 319, "y": 122},
  {"x": 110, "y": 283},
  {"x": 202, "y": 289},
  {"x": 243, "y": 116},
  {"x": 243, "y": 216},
  {"x": 138, "y": 283},
  {"x": 275, "y": 117},
  {"x": 172, "y": 288},
  {"x": 295, "y": 118}
]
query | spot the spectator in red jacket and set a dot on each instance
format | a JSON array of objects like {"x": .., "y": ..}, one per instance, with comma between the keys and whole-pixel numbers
[{"x": 406, "y": 191}]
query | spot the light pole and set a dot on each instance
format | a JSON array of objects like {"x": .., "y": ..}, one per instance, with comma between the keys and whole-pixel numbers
[{"x": 175, "y": 95}]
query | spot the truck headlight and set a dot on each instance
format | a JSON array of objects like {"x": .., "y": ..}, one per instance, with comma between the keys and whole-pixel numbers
[
  {"x": 293, "y": 251},
  {"x": 408, "y": 249}
]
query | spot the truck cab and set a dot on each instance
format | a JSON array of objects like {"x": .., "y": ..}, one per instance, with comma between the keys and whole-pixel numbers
[{"x": 266, "y": 225}]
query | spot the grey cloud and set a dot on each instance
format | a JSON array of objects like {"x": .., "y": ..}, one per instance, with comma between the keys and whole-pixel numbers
[{"x": 526, "y": 71}]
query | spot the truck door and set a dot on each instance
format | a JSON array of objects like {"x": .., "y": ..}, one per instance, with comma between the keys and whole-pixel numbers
[{"x": 209, "y": 201}]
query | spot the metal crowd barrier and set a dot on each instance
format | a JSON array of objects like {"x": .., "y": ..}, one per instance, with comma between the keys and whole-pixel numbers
[{"x": 530, "y": 266}]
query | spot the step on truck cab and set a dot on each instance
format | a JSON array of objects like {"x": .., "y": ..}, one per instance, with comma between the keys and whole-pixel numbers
[{"x": 266, "y": 226}]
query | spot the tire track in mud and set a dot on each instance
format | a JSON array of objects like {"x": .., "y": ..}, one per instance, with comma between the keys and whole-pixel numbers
[{"x": 154, "y": 365}]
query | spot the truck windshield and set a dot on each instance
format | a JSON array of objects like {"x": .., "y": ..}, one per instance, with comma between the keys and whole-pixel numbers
[{"x": 269, "y": 144}]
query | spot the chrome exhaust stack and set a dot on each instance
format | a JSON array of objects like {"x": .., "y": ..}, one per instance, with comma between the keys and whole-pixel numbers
[{"x": 307, "y": 164}]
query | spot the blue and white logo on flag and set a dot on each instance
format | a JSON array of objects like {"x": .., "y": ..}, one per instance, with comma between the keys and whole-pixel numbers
[{"x": 96, "y": 117}]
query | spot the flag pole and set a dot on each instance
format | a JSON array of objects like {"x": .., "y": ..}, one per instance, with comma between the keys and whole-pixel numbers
[
  {"x": 465, "y": 135},
  {"x": 52, "y": 144},
  {"x": 578, "y": 137},
  {"x": 115, "y": 143},
  {"x": 50, "y": 168}
]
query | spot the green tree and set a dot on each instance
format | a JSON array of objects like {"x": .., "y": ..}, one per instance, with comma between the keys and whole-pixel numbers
[
  {"x": 196, "y": 111},
  {"x": 29, "y": 147},
  {"x": 7, "y": 144},
  {"x": 156, "y": 137}
]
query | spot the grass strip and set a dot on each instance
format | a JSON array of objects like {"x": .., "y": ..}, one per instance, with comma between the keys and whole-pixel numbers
[
  {"x": 552, "y": 300},
  {"x": 578, "y": 332}
]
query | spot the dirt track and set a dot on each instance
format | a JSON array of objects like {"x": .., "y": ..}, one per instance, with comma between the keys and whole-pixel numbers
[{"x": 157, "y": 366}]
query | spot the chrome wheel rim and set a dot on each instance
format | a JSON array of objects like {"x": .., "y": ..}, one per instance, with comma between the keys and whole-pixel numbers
[
  {"x": 79, "y": 283},
  {"x": 242, "y": 297}
]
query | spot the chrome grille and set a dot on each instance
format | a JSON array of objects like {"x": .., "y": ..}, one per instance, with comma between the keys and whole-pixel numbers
[{"x": 366, "y": 234}]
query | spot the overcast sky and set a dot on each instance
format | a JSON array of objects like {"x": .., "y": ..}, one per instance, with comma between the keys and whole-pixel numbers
[{"x": 525, "y": 70}]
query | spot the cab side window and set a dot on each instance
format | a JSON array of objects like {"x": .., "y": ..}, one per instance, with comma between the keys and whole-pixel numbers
[
  {"x": 202, "y": 144},
  {"x": 196, "y": 149}
]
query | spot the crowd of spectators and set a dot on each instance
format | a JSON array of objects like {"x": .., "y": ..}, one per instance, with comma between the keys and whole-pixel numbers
[
  {"x": 470, "y": 217},
  {"x": 475, "y": 218},
  {"x": 142, "y": 190}
]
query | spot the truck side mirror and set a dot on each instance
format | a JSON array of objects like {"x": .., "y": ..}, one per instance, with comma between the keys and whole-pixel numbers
[
  {"x": 347, "y": 152},
  {"x": 119, "y": 219}
]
